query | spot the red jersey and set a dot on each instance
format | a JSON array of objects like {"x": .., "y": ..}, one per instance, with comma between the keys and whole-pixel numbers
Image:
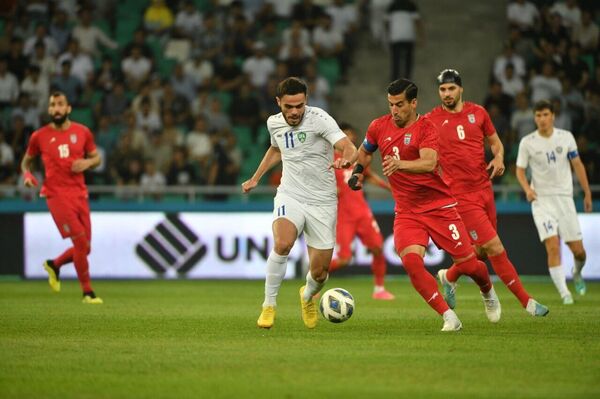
[
  {"x": 462, "y": 151},
  {"x": 413, "y": 192},
  {"x": 351, "y": 204},
  {"x": 58, "y": 149}
]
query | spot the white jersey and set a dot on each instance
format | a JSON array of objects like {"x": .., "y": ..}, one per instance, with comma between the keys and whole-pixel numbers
[
  {"x": 306, "y": 153},
  {"x": 550, "y": 161}
]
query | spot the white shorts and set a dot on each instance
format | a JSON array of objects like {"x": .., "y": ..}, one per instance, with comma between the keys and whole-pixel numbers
[
  {"x": 317, "y": 222},
  {"x": 556, "y": 215}
]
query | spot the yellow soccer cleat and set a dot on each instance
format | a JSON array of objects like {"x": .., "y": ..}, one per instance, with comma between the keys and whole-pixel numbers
[
  {"x": 309, "y": 310},
  {"x": 91, "y": 298},
  {"x": 267, "y": 317},
  {"x": 53, "y": 275}
]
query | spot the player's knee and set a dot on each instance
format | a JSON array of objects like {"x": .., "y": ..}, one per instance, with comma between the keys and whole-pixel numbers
[
  {"x": 282, "y": 247},
  {"x": 579, "y": 254}
]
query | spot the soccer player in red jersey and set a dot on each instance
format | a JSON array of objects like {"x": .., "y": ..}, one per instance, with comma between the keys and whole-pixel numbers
[
  {"x": 424, "y": 206},
  {"x": 67, "y": 149},
  {"x": 354, "y": 218},
  {"x": 463, "y": 128}
]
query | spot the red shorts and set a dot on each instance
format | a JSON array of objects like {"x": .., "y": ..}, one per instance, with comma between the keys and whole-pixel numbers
[
  {"x": 71, "y": 215},
  {"x": 478, "y": 211},
  {"x": 365, "y": 227},
  {"x": 443, "y": 225}
]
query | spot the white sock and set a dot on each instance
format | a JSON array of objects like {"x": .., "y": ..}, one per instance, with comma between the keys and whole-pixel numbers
[
  {"x": 378, "y": 288},
  {"x": 578, "y": 266},
  {"x": 312, "y": 286},
  {"x": 276, "y": 267},
  {"x": 560, "y": 282}
]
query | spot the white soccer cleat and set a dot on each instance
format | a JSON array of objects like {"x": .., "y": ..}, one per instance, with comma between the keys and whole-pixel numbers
[
  {"x": 535, "y": 308},
  {"x": 578, "y": 281},
  {"x": 492, "y": 305},
  {"x": 568, "y": 299},
  {"x": 451, "y": 321},
  {"x": 448, "y": 288}
]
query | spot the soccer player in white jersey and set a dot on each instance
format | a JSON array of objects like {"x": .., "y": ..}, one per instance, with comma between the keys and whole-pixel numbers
[
  {"x": 549, "y": 153},
  {"x": 303, "y": 139}
]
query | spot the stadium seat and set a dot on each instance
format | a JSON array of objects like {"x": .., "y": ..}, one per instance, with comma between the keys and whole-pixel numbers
[
  {"x": 82, "y": 115},
  {"x": 244, "y": 138},
  {"x": 165, "y": 67},
  {"x": 329, "y": 68},
  {"x": 225, "y": 98}
]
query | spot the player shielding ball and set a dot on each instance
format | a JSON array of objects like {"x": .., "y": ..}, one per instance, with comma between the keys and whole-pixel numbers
[
  {"x": 355, "y": 219},
  {"x": 464, "y": 127},
  {"x": 424, "y": 206},
  {"x": 550, "y": 153},
  {"x": 67, "y": 150},
  {"x": 302, "y": 139}
]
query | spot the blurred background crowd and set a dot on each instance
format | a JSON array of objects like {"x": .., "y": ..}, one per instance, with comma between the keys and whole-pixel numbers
[{"x": 177, "y": 92}]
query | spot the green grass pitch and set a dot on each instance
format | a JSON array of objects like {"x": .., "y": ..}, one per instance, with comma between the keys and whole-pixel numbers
[{"x": 198, "y": 339}]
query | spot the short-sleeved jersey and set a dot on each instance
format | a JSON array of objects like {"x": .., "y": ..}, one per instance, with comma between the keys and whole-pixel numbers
[
  {"x": 306, "y": 153},
  {"x": 58, "y": 149},
  {"x": 550, "y": 161},
  {"x": 413, "y": 192},
  {"x": 351, "y": 204},
  {"x": 462, "y": 153}
]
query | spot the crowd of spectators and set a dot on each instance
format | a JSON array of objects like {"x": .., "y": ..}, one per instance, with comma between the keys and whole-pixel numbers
[
  {"x": 552, "y": 53},
  {"x": 175, "y": 92}
]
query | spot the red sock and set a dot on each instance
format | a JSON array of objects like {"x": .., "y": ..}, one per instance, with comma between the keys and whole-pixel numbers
[
  {"x": 80, "y": 251},
  {"x": 334, "y": 265},
  {"x": 378, "y": 269},
  {"x": 508, "y": 274},
  {"x": 64, "y": 258},
  {"x": 475, "y": 269},
  {"x": 424, "y": 282}
]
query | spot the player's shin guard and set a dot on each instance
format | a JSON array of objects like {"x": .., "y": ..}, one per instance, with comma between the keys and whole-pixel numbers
[
  {"x": 504, "y": 269},
  {"x": 80, "y": 251},
  {"x": 276, "y": 267},
  {"x": 424, "y": 282},
  {"x": 378, "y": 269},
  {"x": 477, "y": 270}
]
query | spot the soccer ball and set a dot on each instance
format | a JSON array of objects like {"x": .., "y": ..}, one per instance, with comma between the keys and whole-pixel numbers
[{"x": 337, "y": 305}]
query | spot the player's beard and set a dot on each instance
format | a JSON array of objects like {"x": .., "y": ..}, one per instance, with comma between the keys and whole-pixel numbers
[
  {"x": 294, "y": 122},
  {"x": 451, "y": 105},
  {"x": 59, "y": 119}
]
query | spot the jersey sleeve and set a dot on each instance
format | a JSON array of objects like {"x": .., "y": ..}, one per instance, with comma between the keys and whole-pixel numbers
[
  {"x": 572, "y": 152},
  {"x": 487, "y": 125},
  {"x": 370, "y": 141},
  {"x": 523, "y": 155},
  {"x": 90, "y": 144},
  {"x": 429, "y": 136},
  {"x": 271, "y": 136},
  {"x": 330, "y": 129},
  {"x": 33, "y": 148}
]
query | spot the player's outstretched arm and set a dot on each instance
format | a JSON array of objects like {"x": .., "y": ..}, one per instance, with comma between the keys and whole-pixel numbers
[
  {"x": 363, "y": 161},
  {"x": 29, "y": 179},
  {"x": 349, "y": 154},
  {"x": 579, "y": 169},
  {"x": 272, "y": 157},
  {"x": 497, "y": 163},
  {"x": 91, "y": 161},
  {"x": 522, "y": 178}
]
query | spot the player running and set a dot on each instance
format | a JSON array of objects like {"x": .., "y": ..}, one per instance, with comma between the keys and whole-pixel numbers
[
  {"x": 424, "y": 206},
  {"x": 463, "y": 128},
  {"x": 550, "y": 153},
  {"x": 354, "y": 218},
  {"x": 302, "y": 139},
  {"x": 67, "y": 150}
]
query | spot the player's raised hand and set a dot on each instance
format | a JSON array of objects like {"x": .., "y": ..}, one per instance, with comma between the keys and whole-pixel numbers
[
  {"x": 390, "y": 165},
  {"x": 29, "y": 180},
  {"x": 248, "y": 185},
  {"x": 497, "y": 167},
  {"x": 340, "y": 163},
  {"x": 80, "y": 165},
  {"x": 587, "y": 203}
]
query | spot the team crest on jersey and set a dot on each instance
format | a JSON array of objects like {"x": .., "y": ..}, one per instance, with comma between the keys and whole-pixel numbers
[
  {"x": 473, "y": 234},
  {"x": 559, "y": 149},
  {"x": 407, "y": 138},
  {"x": 73, "y": 138},
  {"x": 471, "y": 118},
  {"x": 302, "y": 137}
]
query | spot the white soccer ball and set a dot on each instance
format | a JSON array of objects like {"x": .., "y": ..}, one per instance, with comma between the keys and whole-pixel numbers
[{"x": 337, "y": 305}]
